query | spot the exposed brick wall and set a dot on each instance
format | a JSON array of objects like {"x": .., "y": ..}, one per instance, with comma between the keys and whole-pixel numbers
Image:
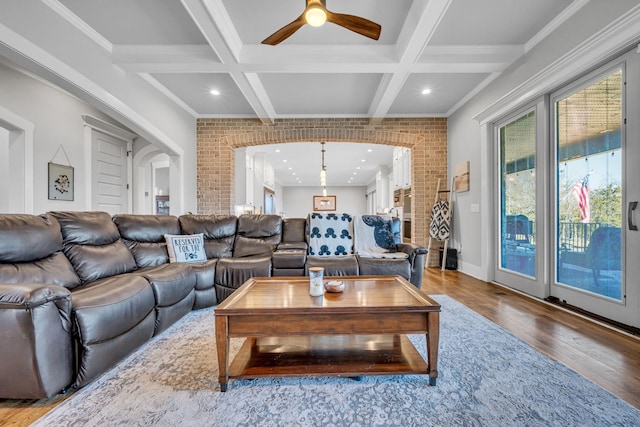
[{"x": 218, "y": 138}]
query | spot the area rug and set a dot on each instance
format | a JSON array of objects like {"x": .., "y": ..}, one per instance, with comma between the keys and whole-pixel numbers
[{"x": 487, "y": 377}]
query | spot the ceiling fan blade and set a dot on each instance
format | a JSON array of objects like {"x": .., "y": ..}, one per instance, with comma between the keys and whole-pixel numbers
[
  {"x": 356, "y": 24},
  {"x": 285, "y": 32}
]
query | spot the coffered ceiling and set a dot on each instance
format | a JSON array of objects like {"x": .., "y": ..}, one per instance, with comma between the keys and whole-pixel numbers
[{"x": 187, "y": 48}]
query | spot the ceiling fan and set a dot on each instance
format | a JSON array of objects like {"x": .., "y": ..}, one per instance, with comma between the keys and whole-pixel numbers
[{"x": 316, "y": 14}]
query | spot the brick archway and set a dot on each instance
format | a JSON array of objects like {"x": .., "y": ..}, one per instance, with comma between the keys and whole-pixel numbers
[{"x": 218, "y": 139}]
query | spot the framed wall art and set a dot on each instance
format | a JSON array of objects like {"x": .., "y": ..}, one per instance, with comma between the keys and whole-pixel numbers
[
  {"x": 324, "y": 203},
  {"x": 60, "y": 182},
  {"x": 462, "y": 177}
]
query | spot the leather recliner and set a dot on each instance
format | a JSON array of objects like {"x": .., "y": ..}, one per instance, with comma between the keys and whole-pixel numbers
[
  {"x": 36, "y": 351},
  {"x": 256, "y": 238}
]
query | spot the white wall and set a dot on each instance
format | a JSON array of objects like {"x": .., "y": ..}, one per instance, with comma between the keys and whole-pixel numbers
[
  {"x": 526, "y": 80},
  {"x": 68, "y": 58},
  {"x": 298, "y": 201},
  {"x": 162, "y": 181},
  {"x": 56, "y": 116},
  {"x": 279, "y": 198}
]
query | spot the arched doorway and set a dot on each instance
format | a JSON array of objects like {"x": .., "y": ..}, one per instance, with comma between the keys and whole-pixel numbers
[{"x": 218, "y": 139}]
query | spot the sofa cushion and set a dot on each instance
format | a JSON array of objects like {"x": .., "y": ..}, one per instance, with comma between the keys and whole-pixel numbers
[
  {"x": 112, "y": 318},
  {"x": 148, "y": 254},
  {"x": 25, "y": 238},
  {"x": 92, "y": 243},
  {"x": 219, "y": 232},
  {"x": 146, "y": 228},
  {"x": 173, "y": 287},
  {"x": 244, "y": 247},
  {"x": 289, "y": 258},
  {"x": 96, "y": 262},
  {"x": 384, "y": 267},
  {"x": 144, "y": 236},
  {"x": 170, "y": 282},
  {"x": 205, "y": 295},
  {"x": 293, "y": 229},
  {"x": 267, "y": 227},
  {"x": 110, "y": 307},
  {"x": 86, "y": 228},
  {"x": 52, "y": 270},
  {"x": 334, "y": 266},
  {"x": 185, "y": 248},
  {"x": 258, "y": 235},
  {"x": 231, "y": 273}
]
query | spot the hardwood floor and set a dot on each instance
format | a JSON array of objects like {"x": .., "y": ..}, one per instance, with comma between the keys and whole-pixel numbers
[{"x": 607, "y": 357}]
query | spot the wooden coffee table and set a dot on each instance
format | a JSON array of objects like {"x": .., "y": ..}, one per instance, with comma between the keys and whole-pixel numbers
[{"x": 361, "y": 331}]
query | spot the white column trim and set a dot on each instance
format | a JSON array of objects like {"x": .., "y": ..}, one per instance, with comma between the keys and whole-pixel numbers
[{"x": 19, "y": 123}]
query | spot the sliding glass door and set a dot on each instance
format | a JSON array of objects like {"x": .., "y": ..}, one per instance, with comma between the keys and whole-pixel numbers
[
  {"x": 520, "y": 216},
  {"x": 588, "y": 141},
  {"x": 596, "y": 155},
  {"x": 567, "y": 191}
]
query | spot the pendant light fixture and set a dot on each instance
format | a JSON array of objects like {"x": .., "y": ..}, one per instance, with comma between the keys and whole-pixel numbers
[{"x": 323, "y": 174}]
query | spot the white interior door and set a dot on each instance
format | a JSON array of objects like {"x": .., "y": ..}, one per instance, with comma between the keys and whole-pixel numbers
[{"x": 110, "y": 181}]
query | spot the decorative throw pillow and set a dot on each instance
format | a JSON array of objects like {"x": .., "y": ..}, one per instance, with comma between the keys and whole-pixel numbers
[{"x": 185, "y": 248}]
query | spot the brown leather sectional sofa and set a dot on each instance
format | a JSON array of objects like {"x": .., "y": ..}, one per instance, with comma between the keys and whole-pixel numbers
[{"x": 79, "y": 291}]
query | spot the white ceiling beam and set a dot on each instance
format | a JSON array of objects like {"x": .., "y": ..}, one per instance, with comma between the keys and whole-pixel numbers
[
  {"x": 291, "y": 54},
  {"x": 217, "y": 29},
  {"x": 411, "y": 42},
  {"x": 73, "y": 19},
  {"x": 163, "y": 53},
  {"x": 320, "y": 68},
  {"x": 200, "y": 59}
]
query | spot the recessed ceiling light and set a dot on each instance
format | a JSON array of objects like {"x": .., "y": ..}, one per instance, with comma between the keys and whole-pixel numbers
[
  {"x": 358, "y": 167},
  {"x": 363, "y": 160},
  {"x": 214, "y": 92},
  {"x": 369, "y": 150},
  {"x": 277, "y": 150},
  {"x": 426, "y": 91},
  {"x": 284, "y": 160},
  {"x": 293, "y": 173},
  {"x": 355, "y": 173},
  {"x": 290, "y": 167}
]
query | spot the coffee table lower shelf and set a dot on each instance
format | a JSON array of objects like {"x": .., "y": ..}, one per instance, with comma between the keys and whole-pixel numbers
[{"x": 330, "y": 355}]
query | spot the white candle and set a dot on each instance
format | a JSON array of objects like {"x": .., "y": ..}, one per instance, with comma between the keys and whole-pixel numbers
[{"x": 316, "y": 287}]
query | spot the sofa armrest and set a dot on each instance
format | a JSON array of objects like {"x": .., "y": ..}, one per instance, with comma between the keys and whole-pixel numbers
[
  {"x": 411, "y": 249},
  {"x": 33, "y": 295},
  {"x": 416, "y": 259},
  {"x": 289, "y": 246},
  {"x": 36, "y": 340}
]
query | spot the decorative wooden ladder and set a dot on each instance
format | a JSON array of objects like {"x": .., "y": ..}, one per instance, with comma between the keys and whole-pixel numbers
[{"x": 440, "y": 225}]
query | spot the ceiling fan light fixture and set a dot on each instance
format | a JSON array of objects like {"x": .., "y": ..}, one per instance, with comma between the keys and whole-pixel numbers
[{"x": 315, "y": 16}]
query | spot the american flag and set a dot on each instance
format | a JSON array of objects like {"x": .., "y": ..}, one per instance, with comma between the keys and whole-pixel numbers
[{"x": 580, "y": 192}]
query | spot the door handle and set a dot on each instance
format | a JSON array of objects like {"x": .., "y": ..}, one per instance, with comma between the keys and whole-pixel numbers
[{"x": 632, "y": 207}]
